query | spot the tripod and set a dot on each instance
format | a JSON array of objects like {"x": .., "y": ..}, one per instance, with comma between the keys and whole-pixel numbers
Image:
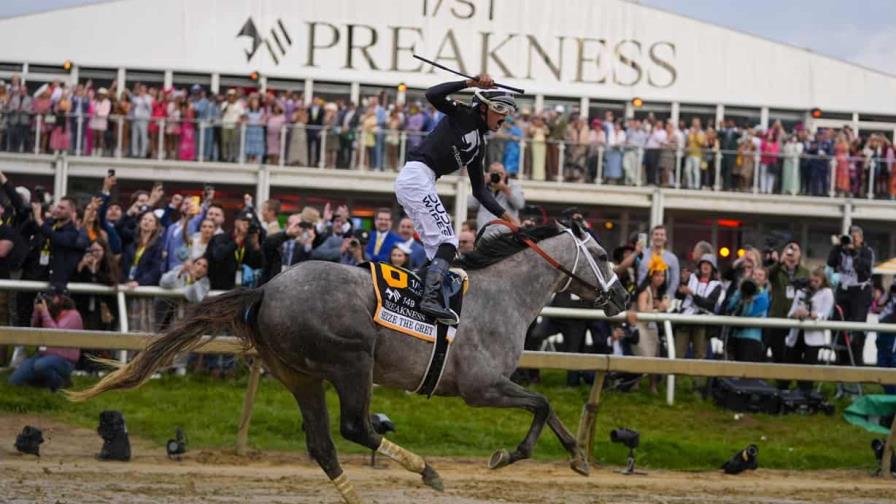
[{"x": 841, "y": 341}]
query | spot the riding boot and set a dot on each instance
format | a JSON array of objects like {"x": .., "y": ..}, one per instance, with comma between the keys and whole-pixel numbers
[{"x": 433, "y": 302}]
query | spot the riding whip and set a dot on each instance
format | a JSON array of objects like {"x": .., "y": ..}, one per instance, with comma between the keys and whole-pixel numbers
[{"x": 443, "y": 67}]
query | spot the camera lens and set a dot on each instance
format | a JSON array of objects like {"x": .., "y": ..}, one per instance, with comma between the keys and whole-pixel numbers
[{"x": 495, "y": 177}]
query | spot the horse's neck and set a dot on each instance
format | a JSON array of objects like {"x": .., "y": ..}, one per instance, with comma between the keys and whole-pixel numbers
[{"x": 525, "y": 281}]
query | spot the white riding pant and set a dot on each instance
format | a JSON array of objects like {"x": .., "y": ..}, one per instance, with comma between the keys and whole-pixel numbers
[{"x": 415, "y": 189}]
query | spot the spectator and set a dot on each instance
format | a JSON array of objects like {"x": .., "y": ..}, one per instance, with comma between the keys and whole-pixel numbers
[
  {"x": 270, "y": 209},
  {"x": 96, "y": 267},
  {"x": 231, "y": 257},
  {"x": 353, "y": 251},
  {"x": 99, "y": 121},
  {"x": 466, "y": 242},
  {"x": 288, "y": 247},
  {"x": 769, "y": 166},
  {"x": 741, "y": 268},
  {"x": 702, "y": 292},
  {"x": 613, "y": 154},
  {"x": 191, "y": 277},
  {"x": 215, "y": 213},
  {"x": 658, "y": 249},
  {"x": 178, "y": 238},
  {"x": 577, "y": 137},
  {"x": 508, "y": 193},
  {"x": 52, "y": 367},
  {"x": 852, "y": 261},
  {"x": 842, "y": 185},
  {"x": 511, "y": 157},
  {"x": 785, "y": 279},
  {"x": 655, "y": 141},
  {"x": 142, "y": 266},
  {"x": 382, "y": 238},
  {"x": 331, "y": 232},
  {"x": 416, "y": 252},
  {"x": 60, "y": 135},
  {"x": 790, "y": 177},
  {"x": 537, "y": 135},
  {"x": 186, "y": 150},
  {"x": 347, "y": 121},
  {"x": 331, "y": 150},
  {"x": 368, "y": 139},
  {"x": 63, "y": 245},
  {"x": 42, "y": 106},
  {"x": 393, "y": 138},
  {"x": 695, "y": 141},
  {"x": 316, "y": 114},
  {"x": 297, "y": 152},
  {"x": 232, "y": 112},
  {"x": 141, "y": 108},
  {"x": 274, "y": 126},
  {"x": 254, "y": 120},
  {"x": 651, "y": 298},
  {"x": 818, "y": 165},
  {"x": 635, "y": 141},
  {"x": 750, "y": 300},
  {"x": 886, "y": 342},
  {"x": 19, "y": 118},
  {"x": 745, "y": 162},
  {"x": 813, "y": 302},
  {"x": 668, "y": 156},
  {"x": 400, "y": 256}
]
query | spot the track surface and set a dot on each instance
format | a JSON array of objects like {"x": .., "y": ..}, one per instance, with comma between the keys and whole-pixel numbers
[{"x": 67, "y": 473}]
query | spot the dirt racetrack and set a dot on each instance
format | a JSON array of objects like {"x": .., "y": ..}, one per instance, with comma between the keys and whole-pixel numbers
[{"x": 67, "y": 473}]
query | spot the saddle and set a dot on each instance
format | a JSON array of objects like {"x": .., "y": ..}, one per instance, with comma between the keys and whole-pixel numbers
[{"x": 398, "y": 292}]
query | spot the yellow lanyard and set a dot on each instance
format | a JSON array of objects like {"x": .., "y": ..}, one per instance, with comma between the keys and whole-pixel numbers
[
  {"x": 46, "y": 247},
  {"x": 239, "y": 254},
  {"x": 138, "y": 255}
]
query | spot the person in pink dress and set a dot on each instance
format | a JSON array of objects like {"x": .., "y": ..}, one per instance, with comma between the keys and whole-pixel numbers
[
  {"x": 841, "y": 159},
  {"x": 187, "y": 149},
  {"x": 60, "y": 137},
  {"x": 159, "y": 111},
  {"x": 276, "y": 121}
]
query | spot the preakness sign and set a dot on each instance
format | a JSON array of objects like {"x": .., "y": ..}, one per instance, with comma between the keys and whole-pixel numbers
[{"x": 597, "y": 48}]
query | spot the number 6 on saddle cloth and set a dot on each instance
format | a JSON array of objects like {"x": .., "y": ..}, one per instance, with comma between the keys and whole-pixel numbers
[{"x": 398, "y": 292}]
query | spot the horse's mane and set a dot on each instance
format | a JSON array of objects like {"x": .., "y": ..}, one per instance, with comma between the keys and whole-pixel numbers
[{"x": 501, "y": 246}]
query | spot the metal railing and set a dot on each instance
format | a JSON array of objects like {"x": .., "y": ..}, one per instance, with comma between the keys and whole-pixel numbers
[{"x": 279, "y": 142}]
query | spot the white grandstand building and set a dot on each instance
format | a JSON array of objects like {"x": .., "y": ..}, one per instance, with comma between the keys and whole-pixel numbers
[{"x": 588, "y": 55}]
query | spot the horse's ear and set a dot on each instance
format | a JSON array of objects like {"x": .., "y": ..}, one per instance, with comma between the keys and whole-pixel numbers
[
  {"x": 579, "y": 229},
  {"x": 560, "y": 225}
]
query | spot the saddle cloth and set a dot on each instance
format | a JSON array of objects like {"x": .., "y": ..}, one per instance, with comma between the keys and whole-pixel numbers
[{"x": 398, "y": 292}]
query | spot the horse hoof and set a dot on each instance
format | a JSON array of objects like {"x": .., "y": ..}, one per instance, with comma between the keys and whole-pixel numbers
[
  {"x": 499, "y": 459},
  {"x": 431, "y": 479},
  {"x": 580, "y": 465}
]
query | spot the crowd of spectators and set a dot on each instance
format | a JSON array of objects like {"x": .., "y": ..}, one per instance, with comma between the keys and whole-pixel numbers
[
  {"x": 282, "y": 127},
  {"x": 183, "y": 242}
]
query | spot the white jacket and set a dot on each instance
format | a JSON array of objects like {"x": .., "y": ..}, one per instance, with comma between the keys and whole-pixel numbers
[{"x": 822, "y": 304}]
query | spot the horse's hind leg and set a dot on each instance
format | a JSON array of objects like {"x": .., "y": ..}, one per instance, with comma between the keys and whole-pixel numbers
[
  {"x": 354, "y": 387},
  {"x": 309, "y": 393}
]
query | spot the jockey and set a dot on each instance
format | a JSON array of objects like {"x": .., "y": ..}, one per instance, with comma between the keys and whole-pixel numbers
[{"x": 456, "y": 142}]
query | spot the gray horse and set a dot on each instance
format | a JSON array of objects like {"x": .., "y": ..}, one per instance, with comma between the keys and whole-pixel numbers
[{"x": 314, "y": 323}]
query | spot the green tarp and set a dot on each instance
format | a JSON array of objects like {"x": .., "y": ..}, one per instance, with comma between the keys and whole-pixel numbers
[{"x": 867, "y": 412}]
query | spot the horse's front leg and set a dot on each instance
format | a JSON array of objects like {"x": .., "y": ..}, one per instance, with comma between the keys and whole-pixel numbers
[{"x": 506, "y": 394}]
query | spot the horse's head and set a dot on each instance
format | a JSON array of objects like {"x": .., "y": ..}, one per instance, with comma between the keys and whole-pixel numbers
[{"x": 596, "y": 281}]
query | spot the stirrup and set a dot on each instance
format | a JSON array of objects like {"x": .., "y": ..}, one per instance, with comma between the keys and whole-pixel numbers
[{"x": 455, "y": 320}]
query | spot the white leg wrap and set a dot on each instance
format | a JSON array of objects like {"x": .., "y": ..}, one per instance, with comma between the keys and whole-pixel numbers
[
  {"x": 408, "y": 460},
  {"x": 346, "y": 489}
]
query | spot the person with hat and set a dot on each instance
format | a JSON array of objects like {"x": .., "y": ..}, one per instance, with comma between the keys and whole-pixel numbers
[
  {"x": 853, "y": 260},
  {"x": 51, "y": 367},
  {"x": 229, "y": 254},
  {"x": 99, "y": 120},
  {"x": 701, "y": 295},
  {"x": 232, "y": 112},
  {"x": 457, "y": 142}
]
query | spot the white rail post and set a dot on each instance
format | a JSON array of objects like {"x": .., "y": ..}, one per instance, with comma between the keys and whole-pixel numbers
[
  {"x": 38, "y": 124},
  {"x": 119, "y": 143},
  {"x": 678, "y": 156},
  {"x": 122, "y": 321},
  {"x": 79, "y": 134},
  {"x": 242, "y": 155},
  {"x": 402, "y": 146},
  {"x": 717, "y": 161},
  {"x": 872, "y": 164},
  {"x": 200, "y": 154},
  {"x": 283, "y": 130},
  {"x": 600, "y": 165},
  {"x": 322, "y": 161},
  {"x": 561, "y": 160},
  {"x": 670, "y": 379},
  {"x": 161, "y": 142}
]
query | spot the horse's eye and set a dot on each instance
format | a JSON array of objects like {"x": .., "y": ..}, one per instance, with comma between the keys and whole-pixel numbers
[{"x": 602, "y": 257}]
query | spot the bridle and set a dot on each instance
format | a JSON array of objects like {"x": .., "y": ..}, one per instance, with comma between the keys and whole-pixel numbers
[{"x": 602, "y": 288}]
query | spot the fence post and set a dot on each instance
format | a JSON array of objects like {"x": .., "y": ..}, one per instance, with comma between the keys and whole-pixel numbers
[
  {"x": 161, "y": 142},
  {"x": 832, "y": 176},
  {"x": 242, "y": 155},
  {"x": 402, "y": 145},
  {"x": 670, "y": 346},
  {"x": 756, "y": 171},
  {"x": 282, "y": 153},
  {"x": 588, "y": 420},
  {"x": 38, "y": 124},
  {"x": 200, "y": 154},
  {"x": 521, "y": 169},
  {"x": 79, "y": 134},
  {"x": 639, "y": 167},
  {"x": 242, "y": 435},
  {"x": 871, "y": 165},
  {"x": 561, "y": 160},
  {"x": 678, "y": 157},
  {"x": 717, "y": 161},
  {"x": 885, "y": 461},
  {"x": 122, "y": 321},
  {"x": 119, "y": 143},
  {"x": 599, "y": 178},
  {"x": 322, "y": 156}
]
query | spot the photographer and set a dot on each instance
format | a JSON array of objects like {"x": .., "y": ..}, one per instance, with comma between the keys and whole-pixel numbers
[
  {"x": 290, "y": 246},
  {"x": 814, "y": 302},
  {"x": 97, "y": 312},
  {"x": 331, "y": 233},
  {"x": 227, "y": 254},
  {"x": 353, "y": 251},
  {"x": 852, "y": 260},
  {"x": 50, "y": 367},
  {"x": 507, "y": 192},
  {"x": 702, "y": 291},
  {"x": 786, "y": 277},
  {"x": 63, "y": 245},
  {"x": 750, "y": 300}
]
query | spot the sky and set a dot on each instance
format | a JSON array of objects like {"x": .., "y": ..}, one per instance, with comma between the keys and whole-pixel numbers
[{"x": 859, "y": 31}]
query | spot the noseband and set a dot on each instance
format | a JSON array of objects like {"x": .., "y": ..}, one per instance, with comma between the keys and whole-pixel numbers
[{"x": 602, "y": 290}]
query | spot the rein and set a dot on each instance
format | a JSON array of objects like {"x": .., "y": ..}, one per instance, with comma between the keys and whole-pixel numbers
[{"x": 553, "y": 262}]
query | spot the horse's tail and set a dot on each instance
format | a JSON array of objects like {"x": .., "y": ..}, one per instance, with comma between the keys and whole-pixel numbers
[{"x": 231, "y": 313}]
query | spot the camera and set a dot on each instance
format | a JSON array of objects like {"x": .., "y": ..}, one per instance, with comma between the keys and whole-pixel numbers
[
  {"x": 111, "y": 172},
  {"x": 495, "y": 178},
  {"x": 626, "y": 437},
  {"x": 845, "y": 240},
  {"x": 359, "y": 237},
  {"x": 800, "y": 283},
  {"x": 254, "y": 227},
  {"x": 748, "y": 288},
  {"x": 40, "y": 195}
]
